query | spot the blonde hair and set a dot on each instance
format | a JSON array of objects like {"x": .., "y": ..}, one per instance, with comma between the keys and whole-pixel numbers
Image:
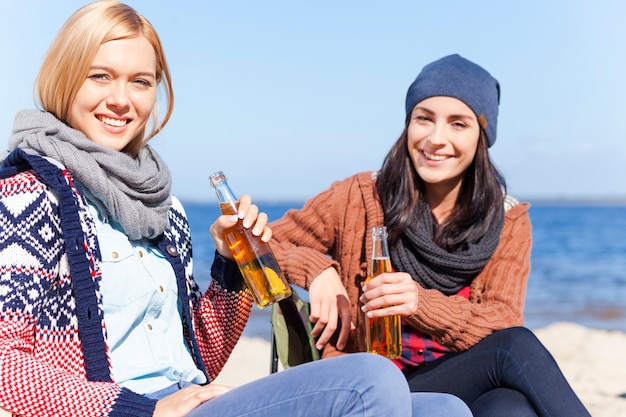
[{"x": 71, "y": 54}]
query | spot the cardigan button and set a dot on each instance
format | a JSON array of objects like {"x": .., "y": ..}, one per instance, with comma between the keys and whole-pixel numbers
[{"x": 171, "y": 249}]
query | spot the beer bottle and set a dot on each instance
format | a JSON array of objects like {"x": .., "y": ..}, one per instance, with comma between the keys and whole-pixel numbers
[
  {"x": 254, "y": 257},
  {"x": 384, "y": 334}
]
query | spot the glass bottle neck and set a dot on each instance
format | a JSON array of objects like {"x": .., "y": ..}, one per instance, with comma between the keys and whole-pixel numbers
[{"x": 225, "y": 196}]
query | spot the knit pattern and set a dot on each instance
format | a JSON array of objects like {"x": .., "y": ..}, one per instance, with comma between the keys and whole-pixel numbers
[
  {"x": 333, "y": 230},
  {"x": 53, "y": 353}
]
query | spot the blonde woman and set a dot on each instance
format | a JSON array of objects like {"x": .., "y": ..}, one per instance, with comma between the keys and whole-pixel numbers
[{"x": 99, "y": 312}]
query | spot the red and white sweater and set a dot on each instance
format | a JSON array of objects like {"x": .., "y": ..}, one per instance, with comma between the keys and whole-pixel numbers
[{"x": 53, "y": 346}]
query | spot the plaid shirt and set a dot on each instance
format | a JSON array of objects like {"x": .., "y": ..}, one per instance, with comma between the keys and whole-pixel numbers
[{"x": 418, "y": 348}]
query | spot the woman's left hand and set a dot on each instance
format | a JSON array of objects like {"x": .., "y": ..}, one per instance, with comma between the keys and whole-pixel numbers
[
  {"x": 183, "y": 401},
  {"x": 389, "y": 294},
  {"x": 249, "y": 214}
]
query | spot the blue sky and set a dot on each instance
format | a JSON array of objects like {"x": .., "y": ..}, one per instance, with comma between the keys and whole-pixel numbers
[{"x": 287, "y": 96}]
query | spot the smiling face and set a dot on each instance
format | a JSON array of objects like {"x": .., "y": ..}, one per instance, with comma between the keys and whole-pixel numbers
[
  {"x": 116, "y": 100},
  {"x": 442, "y": 135}
]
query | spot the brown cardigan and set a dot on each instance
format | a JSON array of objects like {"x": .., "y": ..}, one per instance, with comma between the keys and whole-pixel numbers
[{"x": 332, "y": 229}]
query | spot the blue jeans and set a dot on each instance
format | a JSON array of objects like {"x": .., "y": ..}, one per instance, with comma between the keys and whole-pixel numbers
[
  {"x": 508, "y": 373},
  {"x": 362, "y": 384}
]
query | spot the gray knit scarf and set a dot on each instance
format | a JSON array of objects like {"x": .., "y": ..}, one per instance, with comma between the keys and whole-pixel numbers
[
  {"x": 134, "y": 192},
  {"x": 435, "y": 268}
]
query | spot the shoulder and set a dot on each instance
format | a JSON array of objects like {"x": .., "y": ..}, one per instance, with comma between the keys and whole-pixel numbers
[
  {"x": 25, "y": 188},
  {"x": 178, "y": 207},
  {"x": 367, "y": 176},
  {"x": 366, "y": 180},
  {"x": 361, "y": 183},
  {"x": 24, "y": 173},
  {"x": 29, "y": 207}
]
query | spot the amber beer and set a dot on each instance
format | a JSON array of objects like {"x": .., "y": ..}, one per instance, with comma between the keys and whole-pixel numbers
[
  {"x": 383, "y": 334},
  {"x": 254, "y": 257}
]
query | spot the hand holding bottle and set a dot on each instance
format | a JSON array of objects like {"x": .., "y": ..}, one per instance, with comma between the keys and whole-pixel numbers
[
  {"x": 254, "y": 256},
  {"x": 250, "y": 218},
  {"x": 390, "y": 293},
  {"x": 384, "y": 331}
]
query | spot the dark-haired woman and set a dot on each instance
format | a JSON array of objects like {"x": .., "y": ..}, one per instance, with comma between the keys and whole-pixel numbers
[{"x": 460, "y": 249}]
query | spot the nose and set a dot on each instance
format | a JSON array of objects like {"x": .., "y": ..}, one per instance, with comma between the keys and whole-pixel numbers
[
  {"x": 438, "y": 134},
  {"x": 118, "y": 96}
]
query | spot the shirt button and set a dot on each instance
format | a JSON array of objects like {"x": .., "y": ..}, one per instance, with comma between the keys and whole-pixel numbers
[
  {"x": 161, "y": 288},
  {"x": 114, "y": 255},
  {"x": 149, "y": 326},
  {"x": 141, "y": 254},
  {"x": 171, "y": 249}
]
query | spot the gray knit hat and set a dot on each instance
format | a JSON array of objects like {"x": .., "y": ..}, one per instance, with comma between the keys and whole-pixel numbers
[{"x": 455, "y": 76}]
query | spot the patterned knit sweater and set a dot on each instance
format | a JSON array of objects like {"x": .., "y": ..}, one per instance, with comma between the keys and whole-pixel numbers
[
  {"x": 53, "y": 345},
  {"x": 333, "y": 229}
]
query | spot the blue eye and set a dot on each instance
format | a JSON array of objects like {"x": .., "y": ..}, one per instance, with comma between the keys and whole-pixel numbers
[
  {"x": 98, "y": 77},
  {"x": 143, "y": 82}
]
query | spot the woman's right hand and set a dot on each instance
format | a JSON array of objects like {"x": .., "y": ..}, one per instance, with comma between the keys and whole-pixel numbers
[
  {"x": 182, "y": 402},
  {"x": 251, "y": 218},
  {"x": 390, "y": 293},
  {"x": 329, "y": 304}
]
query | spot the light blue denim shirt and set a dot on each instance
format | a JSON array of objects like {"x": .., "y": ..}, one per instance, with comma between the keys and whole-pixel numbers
[{"x": 142, "y": 314}]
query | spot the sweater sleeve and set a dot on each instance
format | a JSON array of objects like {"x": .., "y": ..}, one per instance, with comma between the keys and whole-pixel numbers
[
  {"x": 221, "y": 314},
  {"x": 42, "y": 369},
  {"x": 500, "y": 291},
  {"x": 303, "y": 238}
]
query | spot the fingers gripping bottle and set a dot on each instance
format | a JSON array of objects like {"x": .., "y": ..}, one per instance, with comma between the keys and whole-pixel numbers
[
  {"x": 384, "y": 334},
  {"x": 254, "y": 257}
]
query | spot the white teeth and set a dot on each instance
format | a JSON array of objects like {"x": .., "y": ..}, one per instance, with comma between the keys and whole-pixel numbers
[
  {"x": 435, "y": 157},
  {"x": 113, "y": 122}
]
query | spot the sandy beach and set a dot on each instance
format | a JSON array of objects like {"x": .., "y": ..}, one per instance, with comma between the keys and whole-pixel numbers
[{"x": 593, "y": 361}]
